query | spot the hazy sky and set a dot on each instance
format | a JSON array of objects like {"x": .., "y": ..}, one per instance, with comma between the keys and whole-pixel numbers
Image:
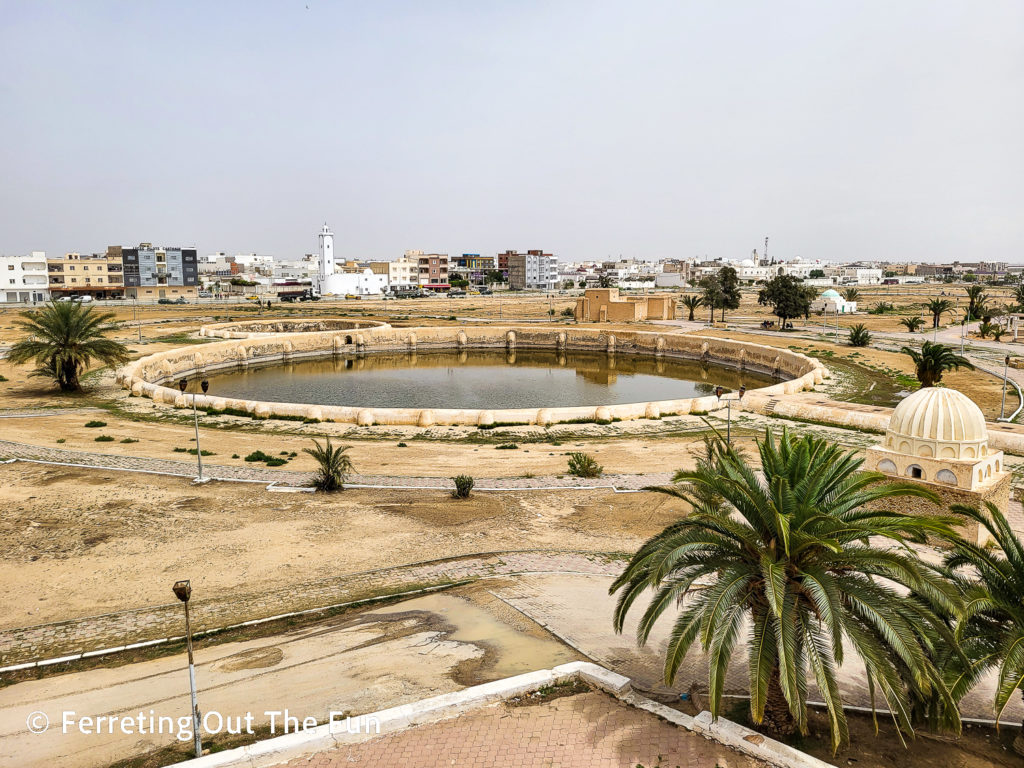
[{"x": 653, "y": 129}]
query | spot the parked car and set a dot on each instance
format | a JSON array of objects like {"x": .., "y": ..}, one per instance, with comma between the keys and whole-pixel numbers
[
  {"x": 456, "y": 293},
  {"x": 205, "y": 295},
  {"x": 80, "y": 299}
]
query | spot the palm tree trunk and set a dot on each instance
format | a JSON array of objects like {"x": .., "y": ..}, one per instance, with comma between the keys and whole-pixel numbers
[
  {"x": 1018, "y": 743},
  {"x": 778, "y": 720}
]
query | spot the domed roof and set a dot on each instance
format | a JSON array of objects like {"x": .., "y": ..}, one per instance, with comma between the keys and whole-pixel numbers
[
  {"x": 831, "y": 293},
  {"x": 747, "y": 263},
  {"x": 939, "y": 417}
]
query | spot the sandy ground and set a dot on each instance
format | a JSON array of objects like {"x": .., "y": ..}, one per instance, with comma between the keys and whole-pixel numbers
[
  {"x": 83, "y": 542},
  {"x": 360, "y": 662}
]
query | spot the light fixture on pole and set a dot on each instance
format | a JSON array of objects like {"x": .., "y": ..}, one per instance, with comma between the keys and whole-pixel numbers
[
  {"x": 1002, "y": 405},
  {"x": 205, "y": 385},
  {"x": 183, "y": 591}
]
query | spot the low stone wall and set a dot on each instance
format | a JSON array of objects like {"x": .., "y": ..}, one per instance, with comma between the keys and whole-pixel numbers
[
  {"x": 247, "y": 329},
  {"x": 146, "y": 377}
]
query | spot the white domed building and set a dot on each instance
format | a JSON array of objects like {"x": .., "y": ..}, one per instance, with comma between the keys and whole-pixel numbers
[
  {"x": 938, "y": 436},
  {"x": 831, "y": 301}
]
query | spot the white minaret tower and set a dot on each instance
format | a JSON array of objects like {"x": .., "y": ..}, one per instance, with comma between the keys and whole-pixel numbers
[{"x": 326, "y": 257}]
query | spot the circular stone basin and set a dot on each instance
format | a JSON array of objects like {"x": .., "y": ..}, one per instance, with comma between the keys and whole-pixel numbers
[{"x": 483, "y": 379}]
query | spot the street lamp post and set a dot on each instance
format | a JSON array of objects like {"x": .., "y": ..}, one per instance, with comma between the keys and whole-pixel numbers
[
  {"x": 1002, "y": 405},
  {"x": 183, "y": 591},
  {"x": 728, "y": 410},
  {"x": 183, "y": 385}
]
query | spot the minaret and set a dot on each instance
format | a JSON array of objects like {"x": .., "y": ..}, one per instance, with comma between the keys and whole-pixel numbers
[{"x": 326, "y": 257}]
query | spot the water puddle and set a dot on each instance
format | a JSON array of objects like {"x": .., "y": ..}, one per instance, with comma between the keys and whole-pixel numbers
[{"x": 508, "y": 651}]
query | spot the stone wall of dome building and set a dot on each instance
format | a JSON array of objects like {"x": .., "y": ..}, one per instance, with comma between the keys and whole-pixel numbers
[{"x": 998, "y": 493}]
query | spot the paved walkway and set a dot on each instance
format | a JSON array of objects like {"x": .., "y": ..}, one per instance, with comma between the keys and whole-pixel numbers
[
  {"x": 91, "y": 633},
  {"x": 27, "y": 452},
  {"x": 589, "y": 730}
]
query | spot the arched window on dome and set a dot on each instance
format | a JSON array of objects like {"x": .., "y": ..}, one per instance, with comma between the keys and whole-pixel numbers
[
  {"x": 925, "y": 451},
  {"x": 945, "y": 476},
  {"x": 948, "y": 452},
  {"x": 915, "y": 471},
  {"x": 968, "y": 452},
  {"x": 888, "y": 467}
]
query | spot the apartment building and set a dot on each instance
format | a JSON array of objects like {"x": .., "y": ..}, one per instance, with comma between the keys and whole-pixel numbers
[
  {"x": 98, "y": 275},
  {"x": 473, "y": 266},
  {"x": 433, "y": 271},
  {"x": 158, "y": 273},
  {"x": 24, "y": 278},
  {"x": 533, "y": 269},
  {"x": 403, "y": 274}
]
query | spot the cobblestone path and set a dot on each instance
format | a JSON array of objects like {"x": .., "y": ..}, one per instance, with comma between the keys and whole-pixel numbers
[
  {"x": 76, "y": 636},
  {"x": 27, "y": 452}
]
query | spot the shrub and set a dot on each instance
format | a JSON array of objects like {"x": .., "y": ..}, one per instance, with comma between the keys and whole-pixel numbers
[
  {"x": 567, "y": 312},
  {"x": 273, "y": 461},
  {"x": 3, "y": 378},
  {"x": 181, "y": 450},
  {"x": 205, "y": 452},
  {"x": 257, "y": 456},
  {"x": 859, "y": 336},
  {"x": 584, "y": 465},
  {"x": 129, "y": 440},
  {"x": 95, "y": 423},
  {"x": 104, "y": 439},
  {"x": 506, "y": 447},
  {"x": 61, "y": 440},
  {"x": 402, "y": 445},
  {"x": 881, "y": 308},
  {"x": 234, "y": 456},
  {"x": 463, "y": 485}
]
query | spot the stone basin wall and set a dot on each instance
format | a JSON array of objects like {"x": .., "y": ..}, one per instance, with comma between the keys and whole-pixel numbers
[
  {"x": 247, "y": 329},
  {"x": 146, "y": 377}
]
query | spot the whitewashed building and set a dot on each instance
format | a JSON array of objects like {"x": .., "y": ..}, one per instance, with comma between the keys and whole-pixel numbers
[{"x": 24, "y": 278}]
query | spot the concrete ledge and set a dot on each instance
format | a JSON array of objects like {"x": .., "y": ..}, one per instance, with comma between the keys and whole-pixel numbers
[{"x": 282, "y": 749}]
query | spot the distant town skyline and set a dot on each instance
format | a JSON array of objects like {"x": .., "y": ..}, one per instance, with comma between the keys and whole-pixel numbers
[{"x": 654, "y": 129}]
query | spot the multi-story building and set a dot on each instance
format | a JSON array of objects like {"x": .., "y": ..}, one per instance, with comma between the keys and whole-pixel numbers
[
  {"x": 433, "y": 271},
  {"x": 24, "y": 278},
  {"x": 98, "y": 275},
  {"x": 533, "y": 269},
  {"x": 403, "y": 274},
  {"x": 158, "y": 273},
  {"x": 473, "y": 266}
]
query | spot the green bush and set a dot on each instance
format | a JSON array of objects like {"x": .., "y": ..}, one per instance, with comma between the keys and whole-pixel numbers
[
  {"x": 256, "y": 456},
  {"x": 463, "y": 485},
  {"x": 234, "y": 456},
  {"x": 181, "y": 450},
  {"x": 584, "y": 465},
  {"x": 95, "y": 423},
  {"x": 104, "y": 439},
  {"x": 402, "y": 445},
  {"x": 61, "y": 439},
  {"x": 129, "y": 440},
  {"x": 275, "y": 462},
  {"x": 205, "y": 452},
  {"x": 859, "y": 336}
]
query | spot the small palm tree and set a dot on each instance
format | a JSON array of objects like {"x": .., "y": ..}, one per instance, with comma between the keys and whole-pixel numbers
[
  {"x": 985, "y": 328},
  {"x": 998, "y": 332},
  {"x": 333, "y": 465},
  {"x": 692, "y": 302},
  {"x": 938, "y": 307},
  {"x": 912, "y": 324},
  {"x": 933, "y": 360},
  {"x": 851, "y": 294},
  {"x": 798, "y": 548},
  {"x": 992, "y": 627},
  {"x": 64, "y": 338},
  {"x": 859, "y": 335}
]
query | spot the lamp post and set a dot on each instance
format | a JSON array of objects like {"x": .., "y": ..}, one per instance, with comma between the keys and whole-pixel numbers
[
  {"x": 1002, "y": 405},
  {"x": 183, "y": 591},
  {"x": 728, "y": 412},
  {"x": 183, "y": 385}
]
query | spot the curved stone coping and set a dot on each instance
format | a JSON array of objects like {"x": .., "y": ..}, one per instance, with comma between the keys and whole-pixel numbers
[
  {"x": 145, "y": 377},
  {"x": 247, "y": 329}
]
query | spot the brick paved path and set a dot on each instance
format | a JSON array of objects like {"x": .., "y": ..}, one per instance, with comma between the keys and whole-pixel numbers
[
  {"x": 589, "y": 730},
  {"x": 58, "y": 639},
  {"x": 25, "y": 451}
]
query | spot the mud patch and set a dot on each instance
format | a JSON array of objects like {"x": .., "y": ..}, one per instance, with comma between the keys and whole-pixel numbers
[{"x": 257, "y": 658}]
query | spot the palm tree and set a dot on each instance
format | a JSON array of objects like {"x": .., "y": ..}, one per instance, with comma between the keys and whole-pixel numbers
[
  {"x": 851, "y": 294},
  {"x": 1018, "y": 294},
  {"x": 332, "y": 465},
  {"x": 938, "y": 307},
  {"x": 912, "y": 324},
  {"x": 692, "y": 302},
  {"x": 976, "y": 298},
  {"x": 64, "y": 338},
  {"x": 933, "y": 360},
  {"x": 992, "y": 627},
  {"x": 798, "y": 549},
  {"x": 859, "y": 335}
]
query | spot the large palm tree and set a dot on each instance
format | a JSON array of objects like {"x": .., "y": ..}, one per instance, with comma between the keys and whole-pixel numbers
[
  {"x": 992, "y": 628},
  {"x": 851, "y": 294},
  {"x": 938, "y": 307},
  {"x": 63, "y": 339},
  {"x": 801, "y": 550},
  {"x": 933, "y": 360},
  {"x": 976, "y": 298},
  {"x": 333, "y": 465},
  {"x": 692, "y": 302}
]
